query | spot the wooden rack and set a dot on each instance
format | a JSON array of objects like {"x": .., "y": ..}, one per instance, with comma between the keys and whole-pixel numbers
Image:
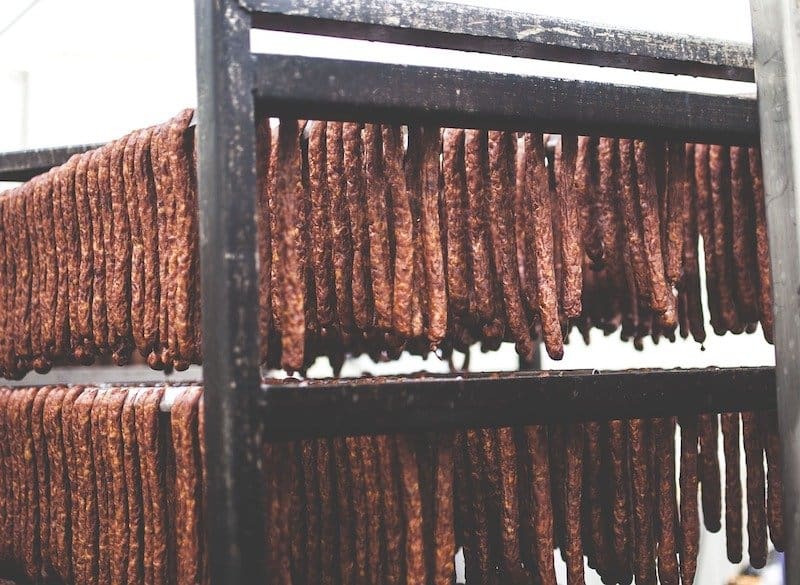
[{"x": 233, "y": 83}]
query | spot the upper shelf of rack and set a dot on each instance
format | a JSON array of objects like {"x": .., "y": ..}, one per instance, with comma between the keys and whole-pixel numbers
[
  {"x": 449, "y": 25},
  {"x": 24, "y": 164}
]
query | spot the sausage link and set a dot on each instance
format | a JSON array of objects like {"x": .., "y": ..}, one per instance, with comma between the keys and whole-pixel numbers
[
  {"x": 119, "y": 297},
  {"x": 689, "y": 520},
  {"x": 733, "y": 486},
  {"x": 538, "y": 201},
  {"x": 263, "y": 148},
  {"x": 541, "y": 503},
  {"x": 705, "y": 226},
  {"x": 762, "y": 245},
  {"x": 642, "y": 503},
  {"x": 719, "y": 166},
  {"x": 676, "y": 183},
  {"x": 708, "y": 471},
  {"x": 569, "y": 228},
  {"x": 772, "y": 448},
  {"x": 742, "y": 231},
  {"x": 378, "y": 226},
  {"x": 356, "y": 201},
  {"x": 444, "y": 529},
  {"x": 664, "y": 431},
  {"x": 756, "y": 501},
  {"x": 501, "y": 161},
  {"x": 455, "y": 206},
  {"x": 415, "y": 569},
  {"x": 662, "y": 300}
]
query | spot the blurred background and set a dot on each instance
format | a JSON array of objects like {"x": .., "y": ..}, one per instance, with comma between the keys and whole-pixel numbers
[{"x": 87, "y": 71}]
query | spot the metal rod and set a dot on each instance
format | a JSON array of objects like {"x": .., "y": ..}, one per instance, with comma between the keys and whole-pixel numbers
[
  {"x": 293, "y": 409},
  {"x": 451, "y": 25},
  {"x": 359, "y": 90},
  {"x": 24, "y": 164},
  {"x": 776, "y": 36},
  {"x": 229, "y": 288}
]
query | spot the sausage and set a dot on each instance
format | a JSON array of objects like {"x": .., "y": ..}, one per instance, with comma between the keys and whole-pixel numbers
[
  {"x": 320, "y": 221},
  {"x": 103, "y": 483},
  {"x": 6, "y": 294},
  {"x": 662, "y": 300},
  {"x": 132, "y": 188},
  {"x": 288, "y": 185},
  {"x": 105, "y": 207},
  {"x": 476, "y": 158},
  {"x": 733, "y": 486},
  {"x": 84, "y": 538},
  {"x": 403, "y": 229},
  {"x": 119, "y": 294},
  {"x": 719, "y": 165},
  {"x": 415, "y": 569},
  {"x": 756, "y": 501},
  {"x": 444, "y": 529},
  {"x": 49, "y": 286},
  {"x": 345, "y": 512},
  {"x": 708, "y": 471},
  {"x": 541, "y": 504},
  {"x": 522, "y": 231},
  {"x": 594, "y": 518},
  {"x": 762, "y": 245},
  {"x": 188, "y": 543},
  {"x": 30, "y": 510},
  {"x": 435, "y": 285},
  {"x": 574, "y": 477},
  {"x": 358, "y": 502},
  {"x": 609, "y": 220},
  {"x": 97, "y": 268},
  {"x": 413, "y": 170},
  {"x": 356, "y": 202},
  {"x": 377, "y": 226},
  {"x": 621, "y": 522},
  {"x": 23, "y": 286},
  {"x": 631, "y": 220},
  {"x": 391, "y": 511},
  {"x": 538, "y": 201},
  {"x": 41, "y": 536},
  {"x": 689, "y": 520},
  {"x": 133, "y": 482},
  {"x": 691, "y": 268},
  {"x": 342, "y": 247},
  {"x": 705, "y": 225},
  {"x": 183, "y": 253},
  {"x": 479, "y": 537},
  {"x": 772, "y": 448},
  {"x": 116, "y": 469},
  {"x": 569, "y": 227},
  {"x": 6, "y": 515},
  {"x": 742, "y": 237},
  {"x": 263, "y": 148},
  {"x": 664, "y": 431},
  {"x": 32, "y": 223},
  {"x": 503, "y": 245},
  {"x": 455, "y": 207},
  {"x": 586, "y": 183},
  {"x": 675, "y": 196},
  {"x": 299, "y": 558},
  {"x": 642, "y": 503},
  {"x": 159, "y": 157},
  {"x": 313, "y": 511},
  {"x": 152, "y": 467},
  {"x": 278, "y": 513}
]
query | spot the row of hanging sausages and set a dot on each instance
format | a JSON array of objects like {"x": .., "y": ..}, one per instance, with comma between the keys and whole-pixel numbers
[
  {"x": 97, "y": 487},
  {"x": 379, "y": 239}
]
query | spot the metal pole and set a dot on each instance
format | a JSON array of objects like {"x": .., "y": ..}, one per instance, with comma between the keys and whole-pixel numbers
[
  {"x": 229, "y": 279},
  {"x": 776, "y": 39}
]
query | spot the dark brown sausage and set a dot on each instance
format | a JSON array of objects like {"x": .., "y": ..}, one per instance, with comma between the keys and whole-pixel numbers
[
  {"x": 762, "y": 244},
  {"x": 356, "y": 203},
  {"x": 119, "y": 297},
  {"x": 541, "y": 503},
  {"x": 435, "y": 284},
  {"x": 705, "y": 226},
  {"x": 642, "y": 502},
  {"x": 392, "y": 505},
  {"x": 719, "y": 166},
  {"x": 342, "y": 251},
  {"x": 662, "y": 300},
  {"x": 537, "y": 190},
  {"x": 263, "y": 148},
  {"x": 772, "y": 448},
  {"x": 691, "y": 268},
  {"x": 133, "y": 482},
  {"x": 569, "y": 227},
  {"x": 621, "y": 523},
  {"x": 676, "y": 184},
  {"x": 378, "y": 226},
  {"x": 444, "y": 528},
  {"x": 455, "y": 206},
  {"x": 756, "y": 500},
  {"x": 689, "y": 520},
  {"x": 708, "y": 471},
  {"x": 288, "y": 185},
  {"x": 741, "y": 231},
  {"x": 501, "y": 159},
  {"x": 574, "y": 476},
  {"x": 733, "y": 486},
  {"x": 664, "y": 431},
  {"x": 415, "y": 569}
]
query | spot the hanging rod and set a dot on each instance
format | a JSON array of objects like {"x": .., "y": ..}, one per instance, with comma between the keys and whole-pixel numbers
[
  {"x": 330, "y": 89},
  {"x": 308, "y": 409},
  {"x": 451, "y": 25},
  {"x": 22, "y": 165}
]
